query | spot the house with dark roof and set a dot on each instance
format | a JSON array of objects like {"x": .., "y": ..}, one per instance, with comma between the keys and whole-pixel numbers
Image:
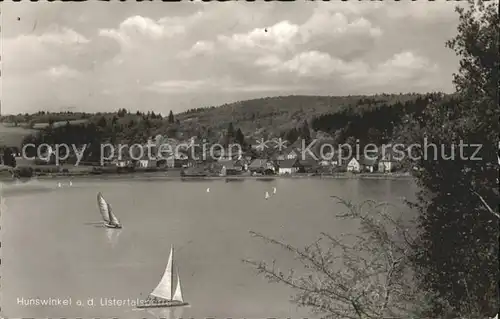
[
  {"x": 388, "y": 162},
  {"x": 289, "y": 167},
  {"x": 369, "y": 164},
  {"x": 308, "y": 165},
  {"x": 262, "y": 166},
  {"x": 363, "y": 164},
  {"x": 229, "y": 167}
]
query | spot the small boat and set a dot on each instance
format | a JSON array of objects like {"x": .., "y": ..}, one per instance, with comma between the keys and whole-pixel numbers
[
  {"x": 267, "y": 195},
  {"x": 70, "y": 183},
  {"x": 59, "y": 184},
  {"x": 274, "y": 190},
  {"x": 110, "y": 220},
  {"x": 208, "y": 190},
  {"x": 162, "y": 295}
]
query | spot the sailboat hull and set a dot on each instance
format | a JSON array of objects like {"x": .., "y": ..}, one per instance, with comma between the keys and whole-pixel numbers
[
  {"x": 167, "y": 303},
  {"x": 113, "y": 226}
]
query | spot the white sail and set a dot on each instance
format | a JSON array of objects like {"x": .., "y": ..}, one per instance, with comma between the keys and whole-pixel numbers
[
  {"x": 164, "y": 288},
  {"x": 103, "y": 208},
  {"x": 178, "y": 292},
  {"x": 267, "y": 195},
  {"x": 113, "y": 219},
  {"x": 274, "y": 190}
]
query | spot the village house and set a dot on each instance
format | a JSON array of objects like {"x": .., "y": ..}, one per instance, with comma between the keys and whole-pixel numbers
[
  {"x": 387, "y": 162},
  {"x": 288, "y": 154},
  {"x": 308, "y": 165},
  {"x": 369, "y": 164},
  {"x": 243, "y": 162},
  {"x": 366, "y": 164},
  {"x": 354, "y": 166},
  {"x": 262, "y": 166},
  {"x": 147, "y": 163},
  {"x": 289, "y": 167},
  {"x": 176, "y": 161},
  {"x": 230, "y": 167}
]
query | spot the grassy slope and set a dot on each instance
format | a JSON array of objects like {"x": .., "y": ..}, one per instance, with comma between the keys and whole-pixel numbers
[{"x": 12, "y": 136}]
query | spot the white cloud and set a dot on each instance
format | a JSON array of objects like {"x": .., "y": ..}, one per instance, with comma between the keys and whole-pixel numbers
[
  {"x": 320, "y": 65},
  {"x": 224, "y": 52},
  {"x": 282, "y": 35},
  {"x": 326, "y": 23},
  {"x": 61, "y": 36},
  {"x": 62, "y": 71},
  {"x": 311, "y": 64},
  {"x": 211, "y": 85},
  {"x": 199, "y": 48},
  {"x": 32, "y": 53},
  {"x": 136, "y": 27}
]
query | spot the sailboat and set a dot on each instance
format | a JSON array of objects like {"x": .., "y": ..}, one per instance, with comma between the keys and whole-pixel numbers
[
  {"x": 274, "y": 190},
  {"x": 162, "y": 294},
  {"x": 208, "y": 190},
  {"x": 267, "y": 195},
  {"x": 110, "y": 220}
]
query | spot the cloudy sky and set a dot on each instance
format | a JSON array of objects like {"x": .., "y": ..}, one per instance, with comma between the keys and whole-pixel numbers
[{"x": 98, "y": 56}]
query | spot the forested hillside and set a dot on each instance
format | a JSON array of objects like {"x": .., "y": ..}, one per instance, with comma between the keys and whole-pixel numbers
[{"x": 369, "y": 118}]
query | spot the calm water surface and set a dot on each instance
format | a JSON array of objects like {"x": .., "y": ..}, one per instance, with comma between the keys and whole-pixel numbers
[{"x": 50, "y": 249}]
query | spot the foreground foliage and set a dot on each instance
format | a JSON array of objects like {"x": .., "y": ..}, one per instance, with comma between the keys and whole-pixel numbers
[{"x": 369, "y": 277}]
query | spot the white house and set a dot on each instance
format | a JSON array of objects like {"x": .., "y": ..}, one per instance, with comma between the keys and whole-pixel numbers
[
  {"x": 147, "y": 163},
  {"x": 387, "y": 163},
  {"x": 354, "y": 165},
  {"x": 288, "y": 167}
]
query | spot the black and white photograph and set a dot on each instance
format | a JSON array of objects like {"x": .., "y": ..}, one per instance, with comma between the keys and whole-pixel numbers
[{"x": 250, "y": 159}]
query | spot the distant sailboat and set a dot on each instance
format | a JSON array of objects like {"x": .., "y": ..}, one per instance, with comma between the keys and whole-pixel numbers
[
  {"x": 110, "y": 220},
  {"x": 70, "y": 183},
  {"x": 59, "y": 184},
  {"x": 208, "y": 190},
  {"x": 162, "y": 294},
  {"x": 267, "y": 195},
  {"x": 274, "y": 190}
]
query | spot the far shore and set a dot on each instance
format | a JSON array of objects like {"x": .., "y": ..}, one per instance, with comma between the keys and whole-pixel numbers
[{"x": 175, "y": 175}]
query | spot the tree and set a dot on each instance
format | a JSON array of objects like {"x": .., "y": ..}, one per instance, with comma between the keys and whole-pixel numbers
[
  {"x": 102, "y": 122},
  {"x": 305, "y": 133},
  {"x": 461, "y": 264},
  {"x": 292, "y": 135},
  {"x": 8, "y": 157},
  {"x": 239, "y": 137},
  {"x": 171, "y": 117},
  {"x": 367, "y": 278},
  {"x": 230, "y": 130}
]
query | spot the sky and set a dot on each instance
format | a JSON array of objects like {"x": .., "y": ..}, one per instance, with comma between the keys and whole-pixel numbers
[{"x": 98, "y": 56}]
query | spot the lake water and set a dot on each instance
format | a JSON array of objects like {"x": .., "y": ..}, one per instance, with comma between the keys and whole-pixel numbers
[{"x": 49, "y": 249}]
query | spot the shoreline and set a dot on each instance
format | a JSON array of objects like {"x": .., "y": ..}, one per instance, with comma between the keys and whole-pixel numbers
[{"x": 164, "y": 175}]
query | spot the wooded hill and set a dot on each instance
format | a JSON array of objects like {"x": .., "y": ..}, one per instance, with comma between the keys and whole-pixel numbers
[{"x": 365, "y": 117}]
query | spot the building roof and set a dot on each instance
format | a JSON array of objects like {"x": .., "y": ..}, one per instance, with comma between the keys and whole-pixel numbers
[
  {"x": 308, "y": 163},
  {"x": 258, "y": 163},
  {"x": 368, "y": 161},
  {"x": 289, "y": 163},
  {"x": 227, "y": 164}
]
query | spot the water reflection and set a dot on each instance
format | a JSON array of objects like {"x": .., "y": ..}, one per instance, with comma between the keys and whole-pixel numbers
[
  {"x": 167, "y": 313},
  {"x": 113, "y": 235}
]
